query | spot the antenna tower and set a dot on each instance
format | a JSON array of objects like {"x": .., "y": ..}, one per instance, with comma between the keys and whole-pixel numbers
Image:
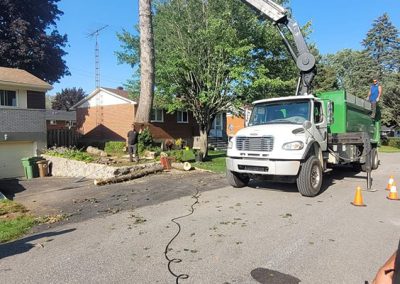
[{"x": 97, "y": 54}]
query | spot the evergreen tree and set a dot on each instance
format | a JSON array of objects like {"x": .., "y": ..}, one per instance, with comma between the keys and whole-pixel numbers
[
  {"x": 382, "y": 43},
  {"x": 29, "y": 39}
]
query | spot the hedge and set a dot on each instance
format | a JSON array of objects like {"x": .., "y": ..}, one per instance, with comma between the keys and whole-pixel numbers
[
  {"x": 114, "y": 146},
  {"x": 394, "y": 142}
]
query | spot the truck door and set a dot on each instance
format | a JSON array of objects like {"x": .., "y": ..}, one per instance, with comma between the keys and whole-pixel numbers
[{"x": 320, "y": 125}]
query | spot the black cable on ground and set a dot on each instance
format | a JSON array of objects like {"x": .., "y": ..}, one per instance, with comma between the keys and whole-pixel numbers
[{"x": 177, "y": 260}]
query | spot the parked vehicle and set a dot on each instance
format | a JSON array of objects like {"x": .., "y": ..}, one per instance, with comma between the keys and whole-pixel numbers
[{"x": 297, "y": 138}]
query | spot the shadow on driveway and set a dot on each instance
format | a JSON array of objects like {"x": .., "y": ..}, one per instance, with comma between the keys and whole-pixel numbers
[
  {"x": 23, "y": 245},
  {"x": 268, "y": 276},
  {"x": 330, "y": 178},
  {"x": 10, "y": 187}
]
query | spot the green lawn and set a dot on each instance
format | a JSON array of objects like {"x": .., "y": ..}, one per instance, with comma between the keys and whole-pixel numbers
[
  {"x": 215, "y": 162},
  {"x": 13, "y": 228},
  {"x": 14, "y": 220},
  {"x": 388, "y": 149}
]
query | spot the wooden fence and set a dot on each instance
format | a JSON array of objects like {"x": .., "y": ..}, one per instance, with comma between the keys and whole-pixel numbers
[{"x": 62, "y": 137}]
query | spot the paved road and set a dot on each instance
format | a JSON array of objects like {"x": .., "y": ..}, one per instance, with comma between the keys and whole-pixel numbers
[{"x": 247, "y": 235}]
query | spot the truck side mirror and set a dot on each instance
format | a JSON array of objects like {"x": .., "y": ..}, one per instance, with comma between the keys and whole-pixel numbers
[
  {"x": 330, "y": 112},
  {"x": 307, "y": 124}
]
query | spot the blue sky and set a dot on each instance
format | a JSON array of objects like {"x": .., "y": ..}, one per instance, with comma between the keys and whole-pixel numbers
[{"x": 336, "y": 25}]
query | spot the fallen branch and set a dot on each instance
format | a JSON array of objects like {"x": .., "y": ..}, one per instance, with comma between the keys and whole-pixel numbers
[{"x": 130, "y": 176}]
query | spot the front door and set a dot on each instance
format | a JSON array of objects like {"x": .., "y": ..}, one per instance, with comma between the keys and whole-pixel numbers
[{"x": 216, "y": 128}]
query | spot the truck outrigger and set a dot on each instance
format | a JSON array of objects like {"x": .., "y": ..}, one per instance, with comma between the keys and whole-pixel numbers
[{"x": 298, "y": 137}]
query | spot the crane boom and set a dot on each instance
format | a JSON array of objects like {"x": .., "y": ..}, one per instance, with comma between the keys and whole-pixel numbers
[{"x": 305, "y": 61}]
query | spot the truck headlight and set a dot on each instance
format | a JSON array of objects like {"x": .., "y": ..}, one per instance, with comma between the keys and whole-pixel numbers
[
  {"x": 295, "y": 145},
  {"x": 230, "y": 144}
]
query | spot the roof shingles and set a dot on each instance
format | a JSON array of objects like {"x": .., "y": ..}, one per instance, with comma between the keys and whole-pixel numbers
[
  {"x": 21, "y": 77},
  {"x": 119, "y": 92}
]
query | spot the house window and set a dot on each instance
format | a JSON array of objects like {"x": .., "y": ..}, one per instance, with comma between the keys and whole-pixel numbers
[
  {"x": 182, "y": 116},
  {"x": 157, "y": 115},
  {"x": 8, "y": 98}
]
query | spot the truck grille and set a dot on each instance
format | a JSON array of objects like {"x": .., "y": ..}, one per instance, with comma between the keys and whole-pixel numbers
[{"x": 261, "y": 144}]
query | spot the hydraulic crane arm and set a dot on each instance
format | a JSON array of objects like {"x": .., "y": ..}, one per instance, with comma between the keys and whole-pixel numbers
[{"x": 305, "y": 61}]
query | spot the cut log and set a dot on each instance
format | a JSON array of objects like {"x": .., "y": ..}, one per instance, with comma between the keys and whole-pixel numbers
[
  {"x": 186, "y": 166},
  {"x": 130, "y": 176}
]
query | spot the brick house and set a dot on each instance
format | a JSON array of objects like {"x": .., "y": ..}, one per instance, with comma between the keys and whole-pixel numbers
[
  {"x": 22, "y": 116},
  {"x": 60, "y": 119},
  {"x": 236, "y": 122},
  {"x": 107, "y": 114}
]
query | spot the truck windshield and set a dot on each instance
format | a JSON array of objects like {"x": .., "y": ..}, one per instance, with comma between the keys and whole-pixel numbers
[{"x": 292, "y": 112}]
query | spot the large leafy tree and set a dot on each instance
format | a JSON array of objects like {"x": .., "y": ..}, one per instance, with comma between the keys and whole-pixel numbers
[
  {"x": 354, "y": 71},
  {"x": 327, "y": 77},
  {"x": 214, "y": 55},
  {"x": 391, "y": 99},
  {"x": 29, "y": 38},
  {"x": 382, "y": 43},
  {"x": 67, "y": 98}
]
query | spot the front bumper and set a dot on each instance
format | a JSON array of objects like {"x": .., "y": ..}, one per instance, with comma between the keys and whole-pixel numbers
[{"x": 263, "y": 167}]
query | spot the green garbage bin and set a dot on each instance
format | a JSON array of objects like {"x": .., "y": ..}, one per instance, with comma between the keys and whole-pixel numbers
[
  {"x": 27, "y": 168},
  {"x": 30, "y": 167}
]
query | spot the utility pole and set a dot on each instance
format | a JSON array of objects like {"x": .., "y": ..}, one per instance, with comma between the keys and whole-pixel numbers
[{"x": 97, "y": 54}]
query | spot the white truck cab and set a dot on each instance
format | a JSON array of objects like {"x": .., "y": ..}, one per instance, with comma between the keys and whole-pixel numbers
[{"x": 281, "y": 134}]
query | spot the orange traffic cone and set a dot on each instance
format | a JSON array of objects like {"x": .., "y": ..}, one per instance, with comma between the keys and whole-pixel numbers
[
  {"x": 393, "y": 193},
  {"x": 358, "y": 200},
  {"x": 390, "y": 182}
]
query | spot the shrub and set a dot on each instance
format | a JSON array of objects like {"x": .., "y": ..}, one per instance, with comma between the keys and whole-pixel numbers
[
  {"x": 145, "y": 140},
  {"x": 177, "y": 154},
  {"x": 70, "y": 153},
  {"x": 115, "y": 147},
  {"x": 155, "y": 149},
  {"x": 394, "y": 142},
  {"x": 182, "y": 155}
]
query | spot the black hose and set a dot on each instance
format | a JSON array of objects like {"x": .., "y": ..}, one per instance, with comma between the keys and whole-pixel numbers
[{"x": 177, "y": 260}]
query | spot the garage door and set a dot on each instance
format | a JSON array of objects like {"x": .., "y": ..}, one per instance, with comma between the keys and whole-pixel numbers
[{"x": 11, "y": 154}]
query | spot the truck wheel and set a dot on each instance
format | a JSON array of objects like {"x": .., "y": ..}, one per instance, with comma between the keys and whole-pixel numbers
[
  {"x": 374, "y": 159},
  {"x": 309, "y": 180},
  {"x": 237, "y": 180}
]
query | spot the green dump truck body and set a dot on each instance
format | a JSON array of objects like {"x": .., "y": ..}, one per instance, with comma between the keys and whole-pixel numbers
[{"x": 351, "y": 114}]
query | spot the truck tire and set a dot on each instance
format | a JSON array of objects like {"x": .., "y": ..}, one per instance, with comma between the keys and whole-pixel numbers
[
  {"x": 309, "y": 180},
  {"x": 237, "y": 180},
  {"x": 374, "y": 159}
]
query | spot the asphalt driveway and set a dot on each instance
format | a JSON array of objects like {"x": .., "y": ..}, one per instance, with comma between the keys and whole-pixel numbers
[
  {"x": 81, "y": 200},
  {"x": 263, "y": 233}
]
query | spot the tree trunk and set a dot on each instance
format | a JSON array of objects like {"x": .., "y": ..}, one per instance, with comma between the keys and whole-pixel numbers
[
  {"x": 204, "y": 142},
  {"x": 146, "y": 62}
]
